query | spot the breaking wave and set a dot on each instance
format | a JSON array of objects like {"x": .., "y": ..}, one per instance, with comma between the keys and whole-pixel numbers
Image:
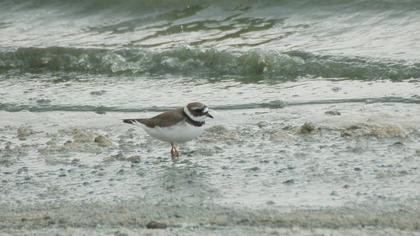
[{"x": 207, "y": 63}]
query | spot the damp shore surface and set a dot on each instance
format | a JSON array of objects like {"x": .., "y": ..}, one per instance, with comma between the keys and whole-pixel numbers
[
  {"x": 294, "y": 170},
  {"x": 316, "y": 128}
]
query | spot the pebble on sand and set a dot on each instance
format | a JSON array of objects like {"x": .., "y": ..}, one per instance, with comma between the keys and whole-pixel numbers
[
  {"x": 306, "y": 128},
  {"x": 333, "y": 113},
  {"x": 103, "y": 141},
  {"x": 156, "y": 225}
]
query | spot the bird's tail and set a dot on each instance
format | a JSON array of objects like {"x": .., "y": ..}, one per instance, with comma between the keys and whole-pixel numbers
[{"x": 132, "y": 121}]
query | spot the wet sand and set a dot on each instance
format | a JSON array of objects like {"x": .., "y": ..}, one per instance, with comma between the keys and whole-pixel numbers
[{"x": 339, "y": 169}]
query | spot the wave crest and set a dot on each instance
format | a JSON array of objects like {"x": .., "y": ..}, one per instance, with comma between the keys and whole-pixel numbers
[{"x": 207, "y": 63}]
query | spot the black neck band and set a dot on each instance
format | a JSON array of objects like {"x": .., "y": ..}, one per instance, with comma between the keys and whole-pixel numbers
[{"x": 193, "y": 122}]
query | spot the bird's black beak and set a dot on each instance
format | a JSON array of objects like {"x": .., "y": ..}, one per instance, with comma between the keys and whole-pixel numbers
[{"x": 208, "y": 114}]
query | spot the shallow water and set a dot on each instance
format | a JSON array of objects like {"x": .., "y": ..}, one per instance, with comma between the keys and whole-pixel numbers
[{"x": 316, "y": 108}]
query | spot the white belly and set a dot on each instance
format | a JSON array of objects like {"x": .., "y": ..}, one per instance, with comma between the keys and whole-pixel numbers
[{"x": 179, "y": 133}]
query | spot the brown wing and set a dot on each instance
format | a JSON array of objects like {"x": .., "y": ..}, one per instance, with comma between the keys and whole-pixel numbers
[
  {"x": 134, "y": 121},
  {"x": 162, "y": 120}
]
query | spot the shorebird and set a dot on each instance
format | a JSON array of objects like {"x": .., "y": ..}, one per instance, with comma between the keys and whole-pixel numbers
[{"x": 176, "y": 126}]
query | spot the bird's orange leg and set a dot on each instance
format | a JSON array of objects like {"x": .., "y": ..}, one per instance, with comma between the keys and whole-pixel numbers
[{"x": 174, "y": 152}]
